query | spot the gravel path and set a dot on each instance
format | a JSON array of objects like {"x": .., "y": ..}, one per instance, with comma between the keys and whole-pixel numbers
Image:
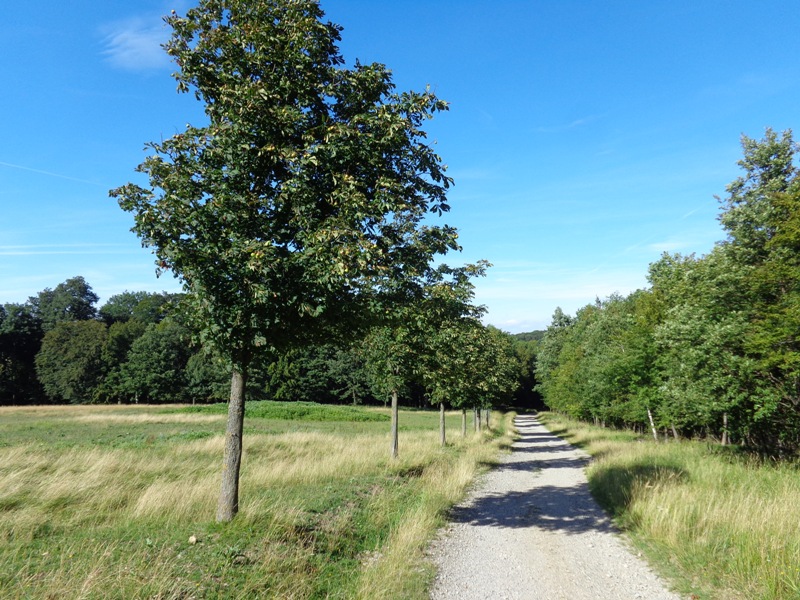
[{"x": 532, "y": 530}]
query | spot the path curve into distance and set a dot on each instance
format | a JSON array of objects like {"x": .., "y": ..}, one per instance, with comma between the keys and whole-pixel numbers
[{"x": 531, "y": 530}]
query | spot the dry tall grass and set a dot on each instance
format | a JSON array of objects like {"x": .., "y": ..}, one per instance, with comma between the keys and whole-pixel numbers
[
  {"x": 723, "y": 525},
  {"x": 106, "y": 522}
]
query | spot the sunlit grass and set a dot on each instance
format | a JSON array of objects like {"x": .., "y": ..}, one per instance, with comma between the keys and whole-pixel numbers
[
  {"x": 324, "y": 511},
  {"x": 722, "y": 525}
]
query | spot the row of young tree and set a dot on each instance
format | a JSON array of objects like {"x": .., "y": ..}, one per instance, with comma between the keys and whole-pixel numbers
[{"x": 712, "y": 347}]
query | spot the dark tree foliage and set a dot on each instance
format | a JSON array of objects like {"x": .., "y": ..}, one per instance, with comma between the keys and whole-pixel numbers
[
  {"x": 208, "y": 378},
  {"x": 70, "y": 361},
  {"x": 144, "y": 307},
  {"x": 526, "y": 396},
  {"x": 20, "y": 338},
  {"x": 120, "y": 307},
  {"x": 121, "y": 336},
  {"x": 347, "y": 369},
  {"x": 72, "y": 300},
  {"x": 155, "y": 369}
]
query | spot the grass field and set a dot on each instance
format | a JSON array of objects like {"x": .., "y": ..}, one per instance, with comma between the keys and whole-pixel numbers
[
  {"x": 119, "y": 501},
  {"x": 719, "y": 523}
]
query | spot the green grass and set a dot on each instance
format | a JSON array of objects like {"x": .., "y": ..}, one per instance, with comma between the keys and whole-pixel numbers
[
  {"x": 716, "y": 522},
  {"x": 294, "y": 411},
  {"x": 118, "y": 502}
]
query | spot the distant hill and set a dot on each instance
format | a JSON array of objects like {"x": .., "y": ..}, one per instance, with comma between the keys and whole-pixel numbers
[{"x": 530, "y": 336}]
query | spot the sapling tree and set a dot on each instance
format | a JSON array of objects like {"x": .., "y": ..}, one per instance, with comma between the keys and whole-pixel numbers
[
  {"x": 398, "y": 349},
  {"x": 494, "y": 371},
  {"x": 451, "y": 373},
  {"x": 451, "y": 341},
  {"x": 299, "y": 202}
]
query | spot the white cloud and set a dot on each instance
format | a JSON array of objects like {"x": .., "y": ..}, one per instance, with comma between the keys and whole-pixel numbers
[
  {"x": 669, "y": 246},
  {"x": 135, "y": 44},
  {"x": 48, "y": 173},
  {"x": 574, "y": 124}
]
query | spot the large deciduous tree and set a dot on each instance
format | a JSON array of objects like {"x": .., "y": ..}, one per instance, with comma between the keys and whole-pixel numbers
[
  {"x": 303, "y": 193},
  {"x": 155, "y": 370},
  {"x": 70, "y": 361},
  {"x": 72, "y": 300},
  {"x": 749, "y": 214},
  {"x": 761, "y": 218}
]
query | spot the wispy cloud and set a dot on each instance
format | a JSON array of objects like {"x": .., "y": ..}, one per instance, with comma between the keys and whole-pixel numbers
[
  {"x": 670, "y": 245},
  {"x": 135, "y": 44},
  {"x": 48, "y": 173},
  {"x": 576, "y": 123},
  {"x": 540, "y": 293},
  {"x": 60, "y": 249},
  {"x": 758, "y": 84},
  {"x": 690, "y": 213},
  {"x": 472, "y": 174}
]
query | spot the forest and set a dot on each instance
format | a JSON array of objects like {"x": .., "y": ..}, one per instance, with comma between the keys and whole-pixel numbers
[{"x": 712, "y": 347}]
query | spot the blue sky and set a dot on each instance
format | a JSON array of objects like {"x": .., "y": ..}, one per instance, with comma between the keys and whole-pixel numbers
[{"x": 585, "y": 138}]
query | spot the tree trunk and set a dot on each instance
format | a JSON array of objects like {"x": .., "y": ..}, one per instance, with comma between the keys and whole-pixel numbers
[
  {"x": 394, "y": 452},
  {"x": 725, "y": 429},
  {"x": 674, "y": 432},
  {"x": 488, "y": 413},
  {"x": 228, "y": 504},
  {"x": 442, "y": 437},
  {"x": 475, "y": 419},
  {"x": 478, "y": 418},
  {"x": 463, "y": 422},
  {"x": 652, "y": 424}
]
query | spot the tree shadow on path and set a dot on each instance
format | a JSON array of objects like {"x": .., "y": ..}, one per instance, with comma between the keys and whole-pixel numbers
[{"x": 569, "y": 508}]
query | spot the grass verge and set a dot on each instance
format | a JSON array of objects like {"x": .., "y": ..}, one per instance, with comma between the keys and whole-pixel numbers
[
  {"x": 118, "y": 502},
  {"x": 717, "y": 524}
]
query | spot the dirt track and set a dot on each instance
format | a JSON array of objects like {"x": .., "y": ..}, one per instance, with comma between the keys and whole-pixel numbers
[{"x": 531, "y": 530}]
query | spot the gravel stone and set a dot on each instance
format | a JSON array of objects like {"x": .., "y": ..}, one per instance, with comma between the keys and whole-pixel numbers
[{"x": 531, "y": 530}]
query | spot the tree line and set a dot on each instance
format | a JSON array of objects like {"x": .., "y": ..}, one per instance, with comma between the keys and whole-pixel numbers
[
  {"x": 712, "y": 346},
  {"x": 138, "y": 347}
]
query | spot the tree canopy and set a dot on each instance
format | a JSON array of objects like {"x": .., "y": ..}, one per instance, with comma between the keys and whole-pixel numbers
[{"x": 73, "y": 300}]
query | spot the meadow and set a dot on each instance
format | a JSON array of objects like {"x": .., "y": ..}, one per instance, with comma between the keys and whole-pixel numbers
[
  {"x": 119, "y": 501},
  {"x": 716, "y": 521}
]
